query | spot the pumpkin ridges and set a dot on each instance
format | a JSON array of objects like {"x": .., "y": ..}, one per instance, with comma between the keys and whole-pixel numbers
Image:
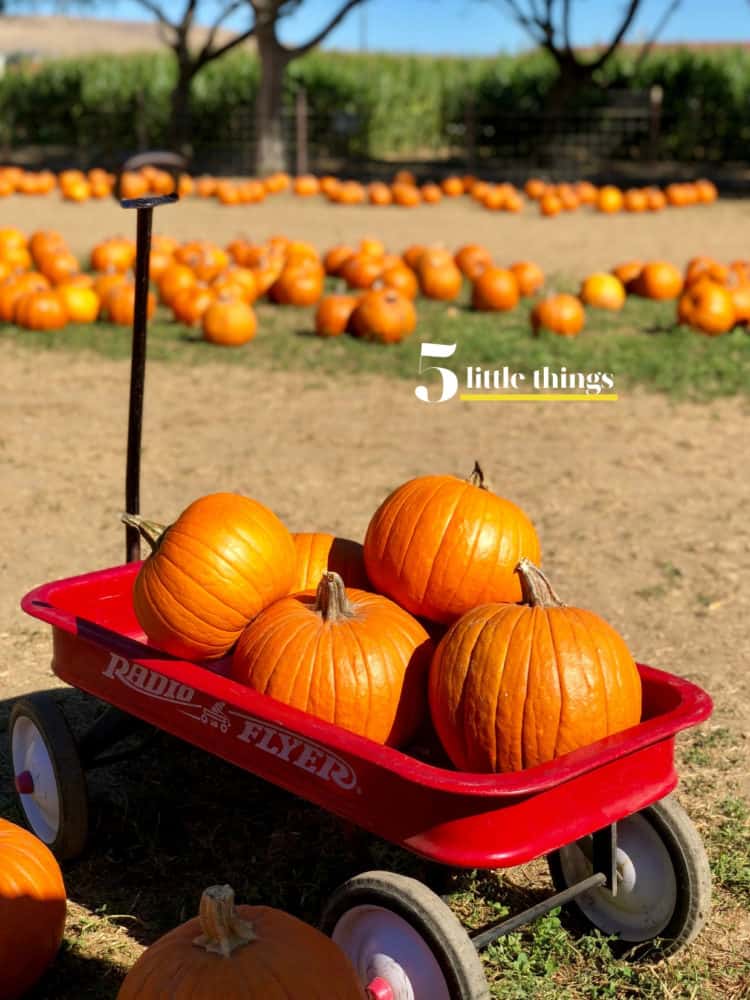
[
  {"x": 236, "y": 569},
  {"x": 182, "y": 614},
  {"x": 170, "y": 585},
  {"x": 434, "y": 562},
  {"x": 479, "y": 522},
  {"x": 418, "y": 531}
]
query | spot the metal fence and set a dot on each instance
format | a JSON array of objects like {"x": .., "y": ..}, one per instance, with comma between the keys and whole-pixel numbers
[{"x": 628, "y": 131}]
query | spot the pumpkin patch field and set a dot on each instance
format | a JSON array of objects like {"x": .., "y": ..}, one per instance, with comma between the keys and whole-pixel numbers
[{"x": 638, "y": 510}]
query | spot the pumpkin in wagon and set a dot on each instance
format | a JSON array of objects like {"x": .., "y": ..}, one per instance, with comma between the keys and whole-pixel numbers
[
  {"x": 32, "y": 909},
  {"x": 514, "y": 686},
  {"x": 224, "y": 559},
  {"x": 319, "y": 552},
  {"x": 242, "y": 953},
  {"x": 440, "y": 545},
  {"x": 349, "y": 657}
]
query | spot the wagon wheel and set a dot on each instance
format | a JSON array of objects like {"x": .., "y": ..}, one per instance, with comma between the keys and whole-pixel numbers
[
  {"x": 403, "y": 940},
  {"x": 49, "y": 780},
  {"x": 663, "y": 881}
]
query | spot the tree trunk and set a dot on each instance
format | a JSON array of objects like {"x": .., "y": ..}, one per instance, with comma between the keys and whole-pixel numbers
[
  {"x": 270, "y": 151},
  {"x": 180, "y": 127},
  {"x": 571, "y": 79}
]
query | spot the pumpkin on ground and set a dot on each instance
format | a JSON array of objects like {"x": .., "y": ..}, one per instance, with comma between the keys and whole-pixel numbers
[
  {"x": 349, "y": 657},
  {"x": 319, "y": 552},
  {"x": 603, "y": 291},
  {"x": 658, "y": 280},
  {"x": 707, "y": 307},
  {"x": 333, "y": 314},
  {"x": 384, "y": 315},
  {"x": 496, "y": 289},
  {"x": 440, "y": 545},
  {"x": 514, "y": 686},
  {"x": 32, "y": 909},
  {"x": 224, "y": 559},
  {"x": 229, "y": 322},
  {"x": 530, "y": 276},
  {"x": 562, "y": 314},
  {"x": 242, "y": 953}
]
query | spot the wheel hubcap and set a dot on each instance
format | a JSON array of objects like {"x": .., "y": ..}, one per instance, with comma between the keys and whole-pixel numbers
[
  {"x": 390, "y": 955},
  {"x": 646, "y": 895},
  {"x": 35, "y": 780}
]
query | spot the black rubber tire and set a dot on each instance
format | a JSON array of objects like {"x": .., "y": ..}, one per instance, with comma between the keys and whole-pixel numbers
[
  {"x": 72, "y": 832},
  {"x": 693, "y": 877},
  {"x": 427, "y": 914}
]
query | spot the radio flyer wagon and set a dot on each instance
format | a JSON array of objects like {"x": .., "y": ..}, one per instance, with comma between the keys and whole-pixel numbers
[{"x": 619, "y": 848}]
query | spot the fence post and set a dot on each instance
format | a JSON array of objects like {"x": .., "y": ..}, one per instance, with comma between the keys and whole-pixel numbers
[
  {"x": 301, "y": 122},
  {"x": 655, "y": 99},
  {"x": 470, "y": 132}
]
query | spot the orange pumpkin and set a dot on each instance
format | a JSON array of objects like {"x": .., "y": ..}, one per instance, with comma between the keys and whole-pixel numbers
[
  {"x": 562, "y": 314},
  {"x": 402, "y": 278},
  {"x": 658, "y": 280},
  {"x": 306, "y": 185},
  {"x": 299, "y": 284},
  {"x": 496, "y": 289},
  {"x": 603, "y": 291},
  {"x": 189, "y": 304},
  {"x": 361, "y": 270},
  {"x": 610, "y": 199},
  {"x": 59, "y": 265},
  {"x": 319, "y": 553},
  {"x": 14, "y": 288},
  {"x": 336, "y": 257},
  {"x": 32, "y": 909},
  {"x": 379, "y": 193},
  {"x": 511, "y": 687},
  {"x": 740, "y": 293},
  {"x": 452, "y": 187},
  {"x": 334, "y": 314},
  {"x": 628, "y": 273},
  {"x": 471, "y": 259},
  {"x": 635, "y": 200},
  {"x": 530, "y": 277},
  {"x": 224, "y": 559},
  {"x": 535, "y": 188},
  {"x": 81, "y": 303},
  {"x": 242, "y": 953},
  {"x": 707, "y": 307},
  {"x": 229, "y": 322},
  {"x": 119, "y": 305},
  {"x": 439, "y": 278},
  {"x": 41, "y": 310},
  {"x": 435, "y": 530},
  {"x": 406, "y": 195},
  {"x": 173, "y": 279},
  {"x": 549, "y": 204},
  {"x": 384, "y": 315},
  {"x": 324, "y": 653},
  {"x": 431, "y": 194},
  {"x": 413, "y": 254}
]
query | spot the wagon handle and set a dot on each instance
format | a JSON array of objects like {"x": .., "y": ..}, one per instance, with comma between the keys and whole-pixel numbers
[{"x": 145, "y": 210}]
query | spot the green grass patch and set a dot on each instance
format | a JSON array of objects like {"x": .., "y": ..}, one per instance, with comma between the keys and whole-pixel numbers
[{"x": 639, "y": 346}]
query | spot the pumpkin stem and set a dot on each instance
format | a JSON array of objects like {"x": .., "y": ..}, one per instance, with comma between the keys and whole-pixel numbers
[
  {"x": 477, "y": 477},
  {"x": 536, "y": 590},
  {"x": 331, "y": 600},
  {"x": 223, "y": 930},
  {"x": 149, "y": 530}
]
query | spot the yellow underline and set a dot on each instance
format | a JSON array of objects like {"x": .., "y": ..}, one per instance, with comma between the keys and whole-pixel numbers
[{"x": 536, "y": 397}]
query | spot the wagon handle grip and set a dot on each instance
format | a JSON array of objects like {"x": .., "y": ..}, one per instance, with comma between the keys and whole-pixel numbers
[{"x": 145, "y": 210}]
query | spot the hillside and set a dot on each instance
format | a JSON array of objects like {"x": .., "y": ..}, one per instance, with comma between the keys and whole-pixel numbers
[{"x": 58, "y": 35}]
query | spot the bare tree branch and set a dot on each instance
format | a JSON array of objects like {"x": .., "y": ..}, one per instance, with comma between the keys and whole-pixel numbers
[
  {"x": 666, "y": 17},
  {"x": 226, "y": 47},
  {"x": 205, "y": 53},
  {"x": 619, "y": 35},
  {"x": 300, "y": 50}
]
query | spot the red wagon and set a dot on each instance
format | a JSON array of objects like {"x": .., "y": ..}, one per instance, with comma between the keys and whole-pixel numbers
[{"x": 619, "y": 848}]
